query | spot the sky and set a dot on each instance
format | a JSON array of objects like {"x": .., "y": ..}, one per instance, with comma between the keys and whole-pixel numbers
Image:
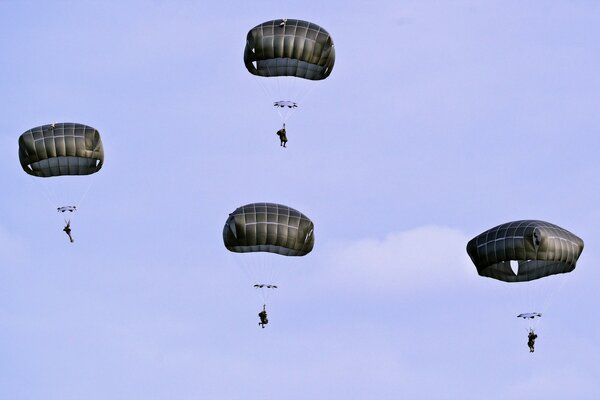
[{"x": 439, "y": 121}]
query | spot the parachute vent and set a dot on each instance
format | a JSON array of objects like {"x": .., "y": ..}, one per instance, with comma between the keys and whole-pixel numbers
[
  {"x": 308, "y": 236},
  {"x": 514, "y": 265},
  {"x": 231, "y": 223}
]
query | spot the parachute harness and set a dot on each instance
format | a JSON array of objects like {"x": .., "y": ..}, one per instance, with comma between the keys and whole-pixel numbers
[
  {"x": 293, "y": 92},
  {"x": 259, "y": 268}
]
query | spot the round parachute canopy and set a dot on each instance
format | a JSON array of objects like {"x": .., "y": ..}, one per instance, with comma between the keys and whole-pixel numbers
[
  {"x": 61, "y": 149},
  {"x": 268, "y": 227},
  {"x": 539, "y": 248},
  {"x": 289, "y": 47}
]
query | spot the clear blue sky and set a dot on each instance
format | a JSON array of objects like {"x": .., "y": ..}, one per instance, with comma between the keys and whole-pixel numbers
[{"x": 440, "y": 120}]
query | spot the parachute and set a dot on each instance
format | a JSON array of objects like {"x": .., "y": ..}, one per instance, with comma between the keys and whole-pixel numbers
[
  {"x": 261, "y": 232},
  {"x": 268, "y": 227},
  {"x": 289, "y": 47},
  {"x": 288, "y": 52},
  {"x": 61, "y": 149},
  {"x": 540, "y": 249},
  {"x": 66, "y": 153}
]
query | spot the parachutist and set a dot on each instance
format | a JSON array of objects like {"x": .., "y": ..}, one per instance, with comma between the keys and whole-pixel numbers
[
  {"x": 282, "y": 136},
  {"x": 531, "y": 340},
  {"x": 67, "y": 230},
  {"x": 263, "y": 317}
]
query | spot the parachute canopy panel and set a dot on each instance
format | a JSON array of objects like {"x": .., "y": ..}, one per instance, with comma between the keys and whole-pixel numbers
[
  {"x": 61, "y": 149},
  {"x": 540, "y": 248},
  {"x": 268, "y": 227},
  {"x": 289, "y": 47}
]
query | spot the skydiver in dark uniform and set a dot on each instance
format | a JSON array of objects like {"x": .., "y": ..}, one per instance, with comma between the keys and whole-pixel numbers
[
  {"x": 67, "y": 230},
  {"x": 263, "y": 317},
  {"x": 531, "y": 340},
  {"x": 282, "y": 136}
]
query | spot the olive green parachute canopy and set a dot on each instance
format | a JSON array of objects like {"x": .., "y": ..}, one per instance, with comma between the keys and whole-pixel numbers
[
  {"x": 289, "y": 47},
  {"x": 61, "y": 149},
  {"x": 540, "y": 249},
  {"x": 269, "y": 227}
]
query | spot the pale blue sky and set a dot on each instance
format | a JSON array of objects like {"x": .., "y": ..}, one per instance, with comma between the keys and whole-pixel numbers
[{"x": 440, "y": 120}]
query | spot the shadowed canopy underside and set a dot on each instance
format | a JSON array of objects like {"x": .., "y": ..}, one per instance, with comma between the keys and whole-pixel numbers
[
  {"x": 289, "y": 47},
  {"x": 61, "y": 149},
  {"x": 268, "y": 227},
  {"x": 540, "y": 249}
]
